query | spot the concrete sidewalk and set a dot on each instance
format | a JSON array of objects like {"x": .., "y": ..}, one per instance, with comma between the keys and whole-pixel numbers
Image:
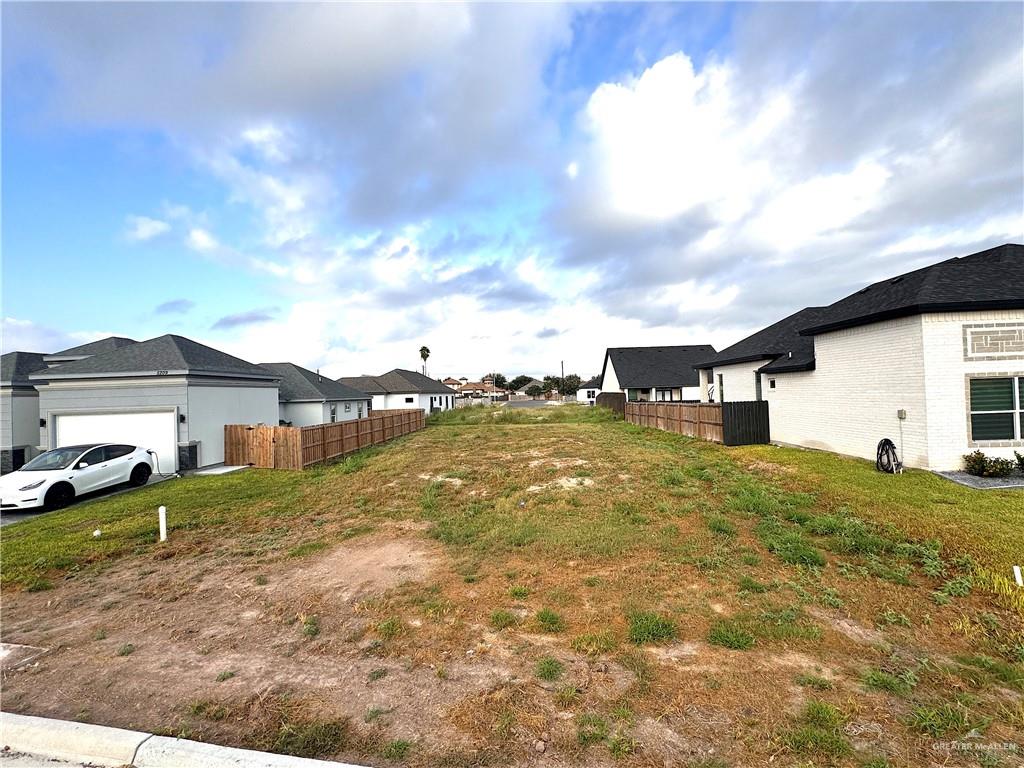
[{"x": 39, "y": 741}]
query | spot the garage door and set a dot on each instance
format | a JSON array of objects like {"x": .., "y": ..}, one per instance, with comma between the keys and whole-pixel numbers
[{"x": 155, "y": 430}]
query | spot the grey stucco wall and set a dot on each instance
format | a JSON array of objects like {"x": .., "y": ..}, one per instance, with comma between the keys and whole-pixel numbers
[{"x": 110, "y": 396}]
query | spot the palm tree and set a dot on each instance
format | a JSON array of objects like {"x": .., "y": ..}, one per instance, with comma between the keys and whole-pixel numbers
[{"x": 424, "y": 353}]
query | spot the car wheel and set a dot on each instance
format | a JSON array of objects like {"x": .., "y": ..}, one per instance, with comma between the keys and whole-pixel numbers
[
  {"x": 59, "y": 496},
  {"x": 140, "y": 475}
]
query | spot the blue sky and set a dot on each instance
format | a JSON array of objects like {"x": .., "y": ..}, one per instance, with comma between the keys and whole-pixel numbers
[{"x": 511, "y": 185}]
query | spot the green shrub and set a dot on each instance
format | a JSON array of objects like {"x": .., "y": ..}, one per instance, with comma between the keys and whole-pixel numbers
[
  {"x": 980, "y": 465},
  {"x": 649, "y": 627},
  {"x": 1020, "y": 461}
]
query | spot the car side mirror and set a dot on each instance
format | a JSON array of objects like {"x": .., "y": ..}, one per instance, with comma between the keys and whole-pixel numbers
[{"x": 82, "y": 465}]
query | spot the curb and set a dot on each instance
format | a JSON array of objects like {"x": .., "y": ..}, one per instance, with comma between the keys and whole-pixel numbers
[{"x": 101, "y": 745}]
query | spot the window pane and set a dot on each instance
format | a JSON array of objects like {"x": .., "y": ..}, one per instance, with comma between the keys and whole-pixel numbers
[
  {"x": 992, "y": 426},
  {"x": 991, "y": 394}
]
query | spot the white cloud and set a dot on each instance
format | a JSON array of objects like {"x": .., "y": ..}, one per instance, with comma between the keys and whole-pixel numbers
[
  {"x": 201, "y": 240},
  {"x": 139, "y": 229}
]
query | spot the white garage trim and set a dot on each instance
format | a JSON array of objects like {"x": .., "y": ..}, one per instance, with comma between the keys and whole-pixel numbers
[{"x": 152, "y": 428}]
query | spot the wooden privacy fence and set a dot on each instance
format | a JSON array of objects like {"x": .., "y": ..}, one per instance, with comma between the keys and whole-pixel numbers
[
  {"x": 739, "y": 423},
  {"x": 615, "y": 401},
  {"x": 268, "y": 447}
]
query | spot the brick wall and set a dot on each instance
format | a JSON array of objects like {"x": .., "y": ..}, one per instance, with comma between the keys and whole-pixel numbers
[
  {"x": 863, "y": 376},
  {"x": 958, "y": 346}
]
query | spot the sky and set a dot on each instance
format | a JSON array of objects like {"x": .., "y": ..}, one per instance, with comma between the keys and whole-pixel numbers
[{"x": 512, "y": 186}]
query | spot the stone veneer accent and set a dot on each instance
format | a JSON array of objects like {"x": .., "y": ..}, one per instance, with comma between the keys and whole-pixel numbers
[{"x": 993, "y": 341}]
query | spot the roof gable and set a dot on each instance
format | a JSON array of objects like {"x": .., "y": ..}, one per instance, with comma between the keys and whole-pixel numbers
[
  {"x": 168, "y": 353},
  {"x": 397, "y": 382},
  {"x": 298, "y": 383},
  {"x": 658, "y": 366},
  {"x": 779, "y": 340}
]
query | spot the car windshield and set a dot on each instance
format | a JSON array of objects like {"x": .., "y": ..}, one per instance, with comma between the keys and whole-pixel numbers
[{"x": 58, "y": 458}]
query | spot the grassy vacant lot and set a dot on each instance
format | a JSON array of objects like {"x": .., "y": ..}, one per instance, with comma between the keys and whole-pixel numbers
[{"x": 539, "y": 586}]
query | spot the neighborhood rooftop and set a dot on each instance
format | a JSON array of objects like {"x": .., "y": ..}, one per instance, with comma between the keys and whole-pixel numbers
[
  {"x": 164, "y": 354},
  {"x": 298, "y": 383},
  {"x": 398, "y": 381},
  {"x": 15, "y": 367},
  {"x": 658, "y": 366}
]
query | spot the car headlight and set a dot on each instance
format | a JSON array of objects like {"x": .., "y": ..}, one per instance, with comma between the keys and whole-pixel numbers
[{"x": 31, "y": 486}]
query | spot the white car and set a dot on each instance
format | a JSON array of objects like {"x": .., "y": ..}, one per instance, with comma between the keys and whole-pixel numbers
[{"x": 53, "y": 479}]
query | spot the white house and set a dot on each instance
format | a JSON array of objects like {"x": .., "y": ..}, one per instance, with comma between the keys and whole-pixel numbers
[
  {"x": 306, "y": 398},
  {"x": 663, "y": 374},
  {"x": 588, "y": 391},
  {"x": 19, "y": 409},
  {"x": 169, "y": 394},
  {"x": 403, "y": 389},
  {"x": 931, "y": 359}
]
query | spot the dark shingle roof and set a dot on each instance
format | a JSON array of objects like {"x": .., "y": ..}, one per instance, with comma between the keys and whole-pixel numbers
[
  {"x": 108, "y": 344},
  {"x": 368, "y": 384},
  {"x": 397, "y": 382},
  {"x": 990, "y": 279},
  {"x": 15, "y": 367},
  {"x": 780, "y": 342},
  {"x": 657, "y": 366},
  {"x": 298, "y": 383},
  {"x": 174, "y": 354},
  {"x": 593, "y": 383}
]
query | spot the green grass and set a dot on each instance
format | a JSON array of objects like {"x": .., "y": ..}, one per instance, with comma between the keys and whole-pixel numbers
[
  {"x": 316, "y": 738},
  {"x": 519, "y": 592},
  {"x": 817, "y": 682},
  {"x": 923, "y": 506},
  {"x": 126, "y": 650},
  {"x": 900, "y": 684},
  {"x": 591, "y": 728},
  {"x": 729, "y": 634},
  {"x": 548, "y": 668},
  {"x": 952, "y": 717},
  {"x": 818, "y": 733},
  {"x": 476, "y": 415},
  {"x": 225, "y": 675},
  {"x": 502, "y": 619},
  {"x": 550, "y": 621},
  {"x": 390, "y": 628},
  {"x": 595, "y": 643},
  {"x": 311, "y": 626},
  {"x": 397, "y": 749},
  {"x": 649, "y": 627}
]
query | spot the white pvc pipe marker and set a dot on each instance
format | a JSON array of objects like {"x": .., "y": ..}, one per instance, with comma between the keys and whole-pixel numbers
[
  {"x": 1017, "y": 576},
  {"x": 162, "y": 512}
]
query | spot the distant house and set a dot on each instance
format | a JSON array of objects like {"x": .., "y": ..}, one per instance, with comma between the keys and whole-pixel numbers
[
  {"x": 19, "y": 408},
  {"x": 932, "y": 359},
  {"x": 531, "y": 383},
  {"x": 453, "y": 383},
  {"x": 169, "y": 394},
  {"x": 307, "y": 398},
  {"x": 401, "y": 388},
  {"x": 589, "y": 390},
  {"x": 663, "y": 374},
  {"x": 484, "y": 388}
]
